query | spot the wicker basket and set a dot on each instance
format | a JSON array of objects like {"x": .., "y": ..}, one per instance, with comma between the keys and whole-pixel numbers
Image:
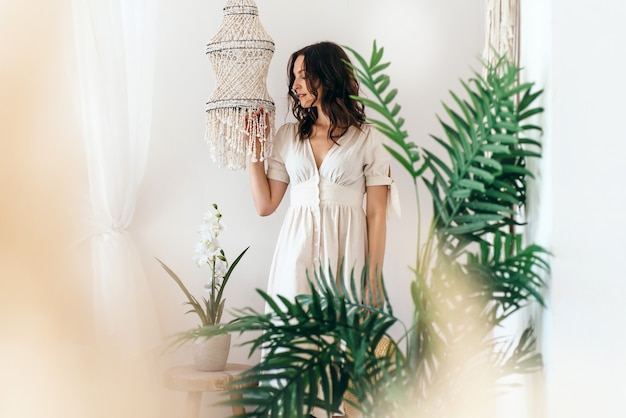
[{"x": 382, "y": 349}]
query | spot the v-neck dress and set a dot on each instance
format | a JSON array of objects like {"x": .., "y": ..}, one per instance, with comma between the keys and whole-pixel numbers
[{"x": 325, "y": 225}]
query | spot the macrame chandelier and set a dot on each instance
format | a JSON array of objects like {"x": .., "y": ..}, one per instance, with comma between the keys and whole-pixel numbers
[{"x": 240, "y": 54}]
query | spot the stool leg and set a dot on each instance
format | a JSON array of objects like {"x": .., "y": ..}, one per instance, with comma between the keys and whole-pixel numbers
[
  {"x": 237, "y": 410},
  {"x": 193, "y": 404}
]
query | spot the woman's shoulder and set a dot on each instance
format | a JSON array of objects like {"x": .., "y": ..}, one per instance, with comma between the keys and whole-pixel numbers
[
  {"x": 285, "y": 137},
  {"x": 367, "y": 133},
  {"x": 288, "y": 129}
]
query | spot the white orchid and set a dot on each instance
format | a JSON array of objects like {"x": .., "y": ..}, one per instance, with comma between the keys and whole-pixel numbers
[
  {"x": 219, "y": 269},
  {"x": 209, "y": 252}
]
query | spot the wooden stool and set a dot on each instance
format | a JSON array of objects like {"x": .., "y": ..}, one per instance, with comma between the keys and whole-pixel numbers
[{"x": 194, "y": 382}]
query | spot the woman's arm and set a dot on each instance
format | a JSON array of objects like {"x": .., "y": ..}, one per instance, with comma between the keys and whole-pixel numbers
[
  {"x": 376, "y": 212},
  {"x": 266, "y": 193}
]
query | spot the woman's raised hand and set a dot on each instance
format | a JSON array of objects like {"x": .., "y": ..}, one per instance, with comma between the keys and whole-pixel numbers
[
  {"x": 257, "y": 124},
  {"x": 258, "y": 132}
]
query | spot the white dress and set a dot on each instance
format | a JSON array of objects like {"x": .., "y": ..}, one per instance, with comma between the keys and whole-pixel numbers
[{"x": 325, "y": 223}]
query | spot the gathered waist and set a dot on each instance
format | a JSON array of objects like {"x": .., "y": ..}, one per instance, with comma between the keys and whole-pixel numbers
[{"x": 319, "y": 191}]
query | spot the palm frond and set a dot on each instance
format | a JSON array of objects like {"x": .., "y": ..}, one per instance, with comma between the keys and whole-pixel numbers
[
  {"x": 316, "y": 347},
  {"x": 487, "y": 181},
  {"x": 517, "y": 357},
  {"x": 509, "y": 274},
  {"x": 382, "y": 102}
]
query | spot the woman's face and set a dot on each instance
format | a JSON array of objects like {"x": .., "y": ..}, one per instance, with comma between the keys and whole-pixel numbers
[{"x": 300, "y": 85}]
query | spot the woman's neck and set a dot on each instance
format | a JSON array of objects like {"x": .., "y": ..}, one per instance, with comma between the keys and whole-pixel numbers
[
  {"x": 322, "y": 123},
  {"x": 322, "y": 118}
]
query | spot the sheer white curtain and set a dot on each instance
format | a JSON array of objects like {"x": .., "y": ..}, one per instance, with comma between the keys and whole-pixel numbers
[{"x": 115, "y": 49}]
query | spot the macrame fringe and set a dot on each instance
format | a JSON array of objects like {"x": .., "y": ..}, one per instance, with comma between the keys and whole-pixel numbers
[
  {"x": 230, "y": 143},
  {"x": 502, "y": 30}
]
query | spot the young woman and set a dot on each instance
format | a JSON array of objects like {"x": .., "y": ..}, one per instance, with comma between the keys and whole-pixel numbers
[{"x": 332, "y": 159}]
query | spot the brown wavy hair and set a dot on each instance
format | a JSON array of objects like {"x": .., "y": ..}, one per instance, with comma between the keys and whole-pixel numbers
[{"x": 326, "y": 67}]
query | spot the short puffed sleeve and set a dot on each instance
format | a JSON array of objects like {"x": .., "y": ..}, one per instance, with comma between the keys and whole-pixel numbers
[
  {"x": 377, "y": 169},
  {"x": 276, "y": 162}
]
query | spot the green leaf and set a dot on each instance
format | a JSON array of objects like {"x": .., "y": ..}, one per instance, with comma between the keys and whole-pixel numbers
[
  {"x": 378, "y": 80},
  {"x": 483, "y": 174},
  {"x": 377, "y": 55},
  {"x": 532, "y": 128},
  {"x": 439, "y": 179},
  {"x": 472, "y": 184},
  {"x": 496, "y": 148},
  {"x": 191, "y": 300},
  {"x": 508, "y": 126},
  {"x": 383, "y": 85},
  {"x": 469, "y": 122},
  {"x": 529, "y": 141},
  {"x": 390, "y": 96},
  {"x": 522, "y": 153},
  {"x": 461, "y": 132},
  {"x": 466, "y": 228},
  {"x": 454, "y": 140},
  {"x": 490, "y": 207},
  {"x": 440, "y": 210},
  {"x": 488, "y": 162},
  {"x": 358, "y": 57},
  {"x": 379, "y": 68},
  {"x": 508, "y": 169},
  {"x": 484, "y": 217},
  {"x": 496, "y": 195},
  {"x": 443, "y": 166},
  {"x": 527, "y": 99},
  {"x": 373, "y": 105},
  {"x": 461, "y": 193},
  {"x": 387, "y": 130},
  {"x": 404, "y": 162},
  {"x": 530, "y": 113},
  {"x": 503, "y": 139}
]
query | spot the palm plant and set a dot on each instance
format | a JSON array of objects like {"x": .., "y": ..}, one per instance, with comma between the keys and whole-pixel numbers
[{"x": 472, "y": 271}]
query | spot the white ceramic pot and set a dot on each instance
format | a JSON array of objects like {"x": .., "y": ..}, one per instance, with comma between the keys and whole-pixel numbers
[{"x": 211, "y": 354}]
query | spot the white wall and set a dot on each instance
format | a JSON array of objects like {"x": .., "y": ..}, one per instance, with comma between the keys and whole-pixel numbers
[{"x": 573, "y": 48}]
